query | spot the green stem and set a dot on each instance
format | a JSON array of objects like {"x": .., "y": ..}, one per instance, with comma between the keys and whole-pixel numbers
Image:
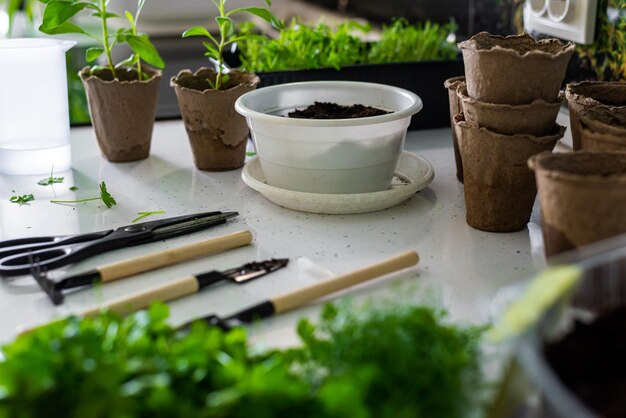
[
  {"x": 105, "y": 36},
  {"x": 220, "y": 57},
  {"x": 75, "y": 201}
]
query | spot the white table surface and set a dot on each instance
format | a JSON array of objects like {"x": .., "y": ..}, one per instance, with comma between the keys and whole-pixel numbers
[{"x": 461, "y": 268}]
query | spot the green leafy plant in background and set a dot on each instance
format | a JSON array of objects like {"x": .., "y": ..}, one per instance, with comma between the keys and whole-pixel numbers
[
  {"x": 13, "y": 6},
  {"x": 357, "y": 362},
  {"x": 228, "y": 34},
  {"x": 302, "y": 46},
  {"x": 607, "y": 55},
  {"x": 59, "y": 17},
  {"x": 404, "y": 42}
]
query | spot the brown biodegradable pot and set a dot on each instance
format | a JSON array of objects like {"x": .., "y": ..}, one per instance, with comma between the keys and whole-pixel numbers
[
  {"x": 514, "y": 69},
  {"x": 596, "y": 99},
  {"x": 217, "y": 133},
  {"x": 536, "y": 118},
  {"x": 122, "y": 111},
  {"x": 455, "y": 108},
  {"x": 605, "y": 134},
  {"x": 583, "y": 197},
  {"x": 499, "y": 188}
]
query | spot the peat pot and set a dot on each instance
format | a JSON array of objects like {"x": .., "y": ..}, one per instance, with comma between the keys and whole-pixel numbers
[
  {"x": 451, "y": 85},
  {"x": 596, "y": 100},
  {"x": 217, "y": 134},
  {"x": 122, "y": 111},
  {"x": 356, "y": 155},
  {"x": 515, "y": 69},
  {"x": 536, "y": 118},
  {"x": 499, "y": 189},
  {"x": 582, "y": 195},
  {"x": 608, "y": 133}
]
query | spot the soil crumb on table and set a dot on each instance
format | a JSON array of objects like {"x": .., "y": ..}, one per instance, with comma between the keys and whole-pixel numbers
[{"x": 323, "y": 110}]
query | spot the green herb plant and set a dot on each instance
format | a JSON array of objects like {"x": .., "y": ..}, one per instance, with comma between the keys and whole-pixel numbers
[
  {"x": 216, "y": 46},
  {"x": 146, "y": 214},
  {"x": 607, "y": 54},
  {"x": 22, "y": 199},
  {"x": 59, "y": 17},
  {"x": 404, "y": 42},
  {"x": 302, "y": 46},
  {"x": 358, "y": 362},
  {"x": 105, "y": 197}
]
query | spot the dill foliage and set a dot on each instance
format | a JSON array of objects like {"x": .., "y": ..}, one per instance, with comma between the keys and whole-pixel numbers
[{"x": 403, "y": 362}]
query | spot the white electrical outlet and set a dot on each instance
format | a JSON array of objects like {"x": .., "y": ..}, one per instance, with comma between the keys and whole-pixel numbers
[{"x": 572, "y": 20}]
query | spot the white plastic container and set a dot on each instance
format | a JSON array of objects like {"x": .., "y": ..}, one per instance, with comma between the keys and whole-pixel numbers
[
  {"x": 328, "y": 156},
  {"x": 34, "y": 112}
]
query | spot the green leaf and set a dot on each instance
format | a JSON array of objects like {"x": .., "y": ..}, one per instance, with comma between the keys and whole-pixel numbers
[
  {"x": 22, "y": 200},
  {"x": 211, "y": 51},
  {"x": 106, "y": 197},
  {"x": 93, "y": 53},
  {"x": 227, "y": 26},
  {"x": 50, "y": 180},
  {"x": 142, "y": 46},
  {"x": 122, "y": 34},
  {"x": 130, "y": 18},
  {"x": 58, "y": 12},
  {"x": 263, "y": 14},
  {"x": 132, "y": 60},
  {"x": 66, "y": 27},
  {"x": 198, "y": 31}
]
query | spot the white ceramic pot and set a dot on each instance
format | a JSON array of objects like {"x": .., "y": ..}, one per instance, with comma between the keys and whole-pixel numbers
[{"x": 323, "y": 155}]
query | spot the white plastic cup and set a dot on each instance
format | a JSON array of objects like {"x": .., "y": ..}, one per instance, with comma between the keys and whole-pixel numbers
[{"x": 34, "y": 110}]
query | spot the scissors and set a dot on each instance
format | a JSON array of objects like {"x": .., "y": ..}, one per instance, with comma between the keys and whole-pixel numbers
[{"x": 17, "y": 256}]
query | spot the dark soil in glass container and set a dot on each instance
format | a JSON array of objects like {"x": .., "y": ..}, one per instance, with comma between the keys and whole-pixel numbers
[
  {"x": 591, "y": 361},
  {"x": 323, "y": 110}
]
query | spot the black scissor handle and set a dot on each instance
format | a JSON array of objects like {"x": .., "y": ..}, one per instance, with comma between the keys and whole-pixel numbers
[
  {"x": 46, "y": 259},
  {"x": 23, "y": 245}
]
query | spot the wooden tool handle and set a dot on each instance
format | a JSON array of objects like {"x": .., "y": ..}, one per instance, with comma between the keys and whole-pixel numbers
[
  {"x": 166, "y": 292},
  {"x": 130, "y": 267},
  {"x": 300, "y": 297}
]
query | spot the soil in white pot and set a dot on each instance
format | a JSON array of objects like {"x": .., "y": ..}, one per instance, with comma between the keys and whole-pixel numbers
[{"x": 325, "y": 110}]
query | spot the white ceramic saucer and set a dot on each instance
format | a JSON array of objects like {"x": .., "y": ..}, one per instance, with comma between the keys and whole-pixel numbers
[{"x": 413, "y": 174}]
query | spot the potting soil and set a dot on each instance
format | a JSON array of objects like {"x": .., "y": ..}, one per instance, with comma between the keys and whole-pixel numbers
[
  {"x": 323, "y": 110},
  {"x": 590, "y": 361}
]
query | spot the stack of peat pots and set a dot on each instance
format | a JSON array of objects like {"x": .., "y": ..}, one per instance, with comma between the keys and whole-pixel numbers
[
  {"x": 583, "y": 194},
  {"x": 509, "y": 104}
]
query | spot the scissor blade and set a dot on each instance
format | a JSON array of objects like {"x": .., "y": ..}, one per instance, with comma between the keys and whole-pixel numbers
[{"x": 192, "y": 224}]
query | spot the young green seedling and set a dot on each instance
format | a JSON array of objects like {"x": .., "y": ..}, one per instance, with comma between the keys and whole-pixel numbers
[
  {"x": 228, "y": 34},
  {"x": 59, "y": 18},
  {"x": 105, "y": 196}
]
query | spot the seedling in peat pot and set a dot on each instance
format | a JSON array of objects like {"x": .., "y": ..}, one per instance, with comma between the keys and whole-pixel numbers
[
  {"x": 59, "y": 17},
  {"x": 227, "y": 36}
]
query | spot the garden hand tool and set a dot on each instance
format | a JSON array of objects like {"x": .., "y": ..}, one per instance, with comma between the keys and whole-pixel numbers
[
  {"x": 125, "y": 268},
  {"x": 188, "y": 285},
  {"x": 16, "y": 255},
  {"x": 303, "y": 296}
]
